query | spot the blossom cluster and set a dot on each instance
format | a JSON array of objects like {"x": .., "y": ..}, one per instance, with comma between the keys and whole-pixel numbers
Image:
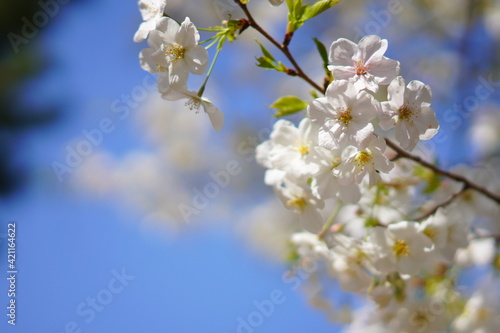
[
  {"x": 383, "y": 226},
  {"x": 335, "y": 150},
  {"x": 363, "y": 210},
  {"x": 174, "y": 53}
]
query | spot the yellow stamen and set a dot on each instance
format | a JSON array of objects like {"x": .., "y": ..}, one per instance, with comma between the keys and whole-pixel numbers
[
  {"x": 304, "y": 149},
  {"x": 175, "y": 52},
  {"x": 405, "y": 112},
  {"x": 360, "y": 68},
  {"x": 430, "y": 232},
  {"x": 161, "y": 69},
  {"x": 363, "y": 158},
  {"x": 401, "y": 248},
  {"x": 336, "y": 162},
  {"x": 299, "y": 203},
  {"x": 345, "y": 117},
  {"x": 194, "y": 104}
]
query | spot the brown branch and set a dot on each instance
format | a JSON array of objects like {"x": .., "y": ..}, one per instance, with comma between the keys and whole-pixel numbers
[
  {"x": 443, "y": 204},
  {"x": 282, "y": 47},
  {"x": 459, "y": 178}
]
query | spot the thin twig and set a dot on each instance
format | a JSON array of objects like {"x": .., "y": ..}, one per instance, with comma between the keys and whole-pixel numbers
[
  {"x": 443, "y": 204},
  {"x": 436, "y": 169},
  {"x": 282, "y": 47}
]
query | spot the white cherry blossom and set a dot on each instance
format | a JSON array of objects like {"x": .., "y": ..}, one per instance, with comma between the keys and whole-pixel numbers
[
  {"x": 401, "y": 247},
  {"x": 301, "y": 201},
  {"x": 351, "y": 264},
  {"x": 408, "y": 110},
  {"x": 448, "y": 229},
  {"x": 344, "y": 115},
  {"x": 151, "y": 12},
  {"x": 308, "y": 245},
  {"x": 290, "y": 149},
  {"x": 174, "y": 49},
  {"x": 356, "y": 163},
  {"x": 325, "y": 183},
  {"x": 364, "y": 63},
  {"x": 194, "y": 102}
]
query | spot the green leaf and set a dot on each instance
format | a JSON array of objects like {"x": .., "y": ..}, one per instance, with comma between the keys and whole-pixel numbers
[
  {"x": 299, "y": 9},
  {"x": 266, "y": 53},
  {"x": 298, "y": 13},
  {"x": 324, "y": 55},
  {"x": 266, "y": 63},
  {"x": 281, "y": 68},
  {"x": 318, "y": 8},
  {"x": 288, "y": 105},
  {"x": 322, "y": 50}
]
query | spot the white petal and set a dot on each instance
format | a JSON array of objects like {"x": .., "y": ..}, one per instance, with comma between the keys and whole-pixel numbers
[
  {"x": 404, "y": 230},
  {"x": 349, "y": 193},
  {"x": 311, "y": 219},
  {"x": 216, "y": 116},
  {"x": 147, "y": 62},
  {"x": 418, "y": 94},
  {"x": 402, "y": 134},
  {"x": 341, "y": 52},
  {"x": 384, "y": 68},
  {"x": 364, "y": 136},
  {"x": 407, "y": 266},
  {"x": 317, "y": 110},
  {"x": 143, "y": 31},
  {"x": 325, "y": 139},
  {"x": 396, "y": 92},
  {"x": 188, "y": 35},
  {"x": 196, "y": 60},
  {"x": 284, "y": 133},
  {"x": 178, "y": 74},
  {"x": 342, "y": 72},
  {"x": 170, "y": 93},
  {"x": 371, "y": 46},
  {"x": 430, "y": 127}
]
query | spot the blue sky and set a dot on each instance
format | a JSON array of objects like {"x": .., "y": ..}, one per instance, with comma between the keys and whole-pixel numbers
[{"x": 70, "y": 247}]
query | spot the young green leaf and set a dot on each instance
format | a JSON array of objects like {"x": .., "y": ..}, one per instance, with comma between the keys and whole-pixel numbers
[
  {"x": 298, "y": 13},
  {"x": 265, "y": 62},
  {"x": 318, "y": 8},
  {"x": 322, "y": 52},
  {"x": 288, "y": 105},
  {"x": 266, "y": 53}
]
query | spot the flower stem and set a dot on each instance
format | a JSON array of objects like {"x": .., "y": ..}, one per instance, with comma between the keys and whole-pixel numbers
[
  {"x": 282, "y": 47},
  {"x": 328, "y": 224},
  {"x": 219, "y": 48}
]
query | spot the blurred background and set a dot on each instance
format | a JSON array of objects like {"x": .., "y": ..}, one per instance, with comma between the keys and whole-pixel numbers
[{"x": 134, "y": 215}]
